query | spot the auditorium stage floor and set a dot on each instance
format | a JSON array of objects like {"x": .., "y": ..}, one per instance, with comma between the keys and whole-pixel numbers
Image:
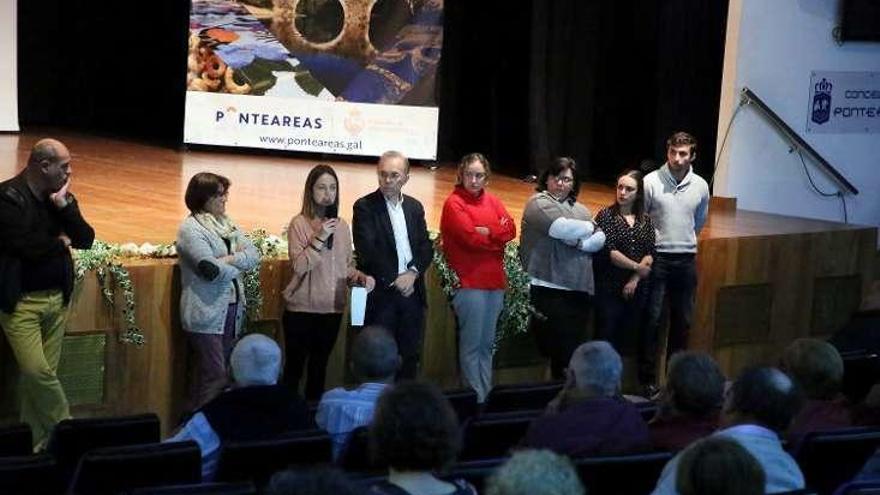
[{"x": 133, "y": 192}]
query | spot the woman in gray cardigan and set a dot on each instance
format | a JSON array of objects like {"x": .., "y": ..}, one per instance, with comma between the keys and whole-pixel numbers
[
  {"x": 558, "y": 239},
  {"x": 213, "y": 255}
]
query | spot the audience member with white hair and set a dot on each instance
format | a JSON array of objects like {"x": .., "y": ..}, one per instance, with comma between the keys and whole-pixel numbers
[
  {"x": 535, "y": 472},
  {"x": 589, "y": 417},
  {"x": 255, "y": 408},
  {"x": 759, "y": 406}
]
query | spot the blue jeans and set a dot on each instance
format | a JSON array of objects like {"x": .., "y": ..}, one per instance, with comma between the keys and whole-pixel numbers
[
  {"x": 477, "y": 311},
  {"x": 673, "y": 276}
]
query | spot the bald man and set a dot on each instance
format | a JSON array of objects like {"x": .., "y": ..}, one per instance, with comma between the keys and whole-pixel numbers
[
  {"x": 759, "y": 407},
  {"x": 39, "y": 223}
]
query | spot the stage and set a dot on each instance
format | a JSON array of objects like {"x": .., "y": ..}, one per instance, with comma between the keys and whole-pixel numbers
[
  {"x": 763, "y": 279},
  {"x": 133, "y": 192}
]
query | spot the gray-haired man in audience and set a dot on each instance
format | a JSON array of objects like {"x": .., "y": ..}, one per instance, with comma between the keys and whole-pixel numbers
[
  {"x": 374, "y": 362},
  {"x": 589, "y": 417}
]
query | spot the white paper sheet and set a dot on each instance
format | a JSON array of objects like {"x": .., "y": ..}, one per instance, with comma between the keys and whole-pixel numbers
[{"x": 358, "y": 305}]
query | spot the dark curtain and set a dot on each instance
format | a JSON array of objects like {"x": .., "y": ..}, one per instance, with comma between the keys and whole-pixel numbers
[
  {"x": 483, "y": 84},
  {"x": 565, "y": 54},
  {"x": 603, "y": 82},
  {"x": 115, "y": 68},
  {"x": 691, "y": 50}
]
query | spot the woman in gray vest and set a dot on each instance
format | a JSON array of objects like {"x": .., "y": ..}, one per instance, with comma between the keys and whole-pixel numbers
[{"x": 558, "y": 239}]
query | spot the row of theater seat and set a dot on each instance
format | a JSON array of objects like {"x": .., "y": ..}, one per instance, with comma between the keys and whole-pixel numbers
[
  {"x": 861, "y": 372},
  {"x": 484, "y": 436},
  {"x": 114, "y": 469},
  {"x": 502, "y": 398},
  {"x": 53, "y": 471},
  {"x": 827, "y": 459},
  {"x": 489, "y": 433}
]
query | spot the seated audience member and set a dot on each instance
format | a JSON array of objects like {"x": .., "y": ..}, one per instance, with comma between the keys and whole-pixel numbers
[
  {"x": 314, "y": 481},
  {"x": 535, "y": 472},
  {"x": 415, "y": 432},
  {"x": 817, "y": 368},
  {"x": 871, "y": 470},
  {"x": 690, "y": 403},
  {"x": 374, "y": 362},
  {"x": 719, "y": 466},
  {"x": 256, "y": 408},
  {"x": 759, "y": 405},
  {"x": 867, "y": 412},
  {"x": 589, "y": 417}
]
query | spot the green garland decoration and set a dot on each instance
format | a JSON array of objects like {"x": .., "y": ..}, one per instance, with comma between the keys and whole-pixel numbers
[
  {"x": 269, "y": 247},
  {"x": 449, "y": 281},
  {"x": 517, "y": 311},
  {"x": 104, "y": 258}
]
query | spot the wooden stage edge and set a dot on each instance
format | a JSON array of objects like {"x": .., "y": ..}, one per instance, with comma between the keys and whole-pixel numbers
[{"x": 764, "y": 280}]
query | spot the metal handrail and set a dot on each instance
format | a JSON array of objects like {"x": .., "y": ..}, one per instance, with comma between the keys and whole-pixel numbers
[{"x": 749, "y": 97}]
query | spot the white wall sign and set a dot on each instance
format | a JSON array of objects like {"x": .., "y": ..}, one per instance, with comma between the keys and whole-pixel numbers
[
  {"x": 310, "y": 125},
  {"x": 844, "y": 102}
]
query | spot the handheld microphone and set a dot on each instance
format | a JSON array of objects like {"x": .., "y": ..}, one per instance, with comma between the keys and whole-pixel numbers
[{"x": 332, "y": 212}]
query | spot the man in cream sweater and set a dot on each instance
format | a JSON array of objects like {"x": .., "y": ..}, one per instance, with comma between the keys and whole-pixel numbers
[{"x": 677, "y": 199}]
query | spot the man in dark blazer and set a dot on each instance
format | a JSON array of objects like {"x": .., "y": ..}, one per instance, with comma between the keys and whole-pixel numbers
[{"x": 392, "y": 245}]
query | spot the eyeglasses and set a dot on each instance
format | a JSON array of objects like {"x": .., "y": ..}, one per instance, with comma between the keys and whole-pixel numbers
[
  {"x": 390, "y": 175},
  {"x": 563, "y": 179}
]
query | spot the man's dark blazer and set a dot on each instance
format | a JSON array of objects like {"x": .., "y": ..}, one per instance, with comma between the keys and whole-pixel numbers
[{"x": 374, "y": 246}]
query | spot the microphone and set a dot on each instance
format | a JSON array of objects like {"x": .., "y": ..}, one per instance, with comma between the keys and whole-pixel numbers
[{"x": 332, "y": 212}]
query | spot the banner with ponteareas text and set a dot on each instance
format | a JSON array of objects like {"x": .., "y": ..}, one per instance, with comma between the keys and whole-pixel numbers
[{"x": 352, "y": 77}]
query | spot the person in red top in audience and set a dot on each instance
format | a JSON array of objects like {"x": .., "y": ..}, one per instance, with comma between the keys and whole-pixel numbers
[
  {"x": 690, "y": 402},
  {"x": 817, "y": 368},
  {"x": 475, "y": 227},
  {"x": 589, "y": 417}
]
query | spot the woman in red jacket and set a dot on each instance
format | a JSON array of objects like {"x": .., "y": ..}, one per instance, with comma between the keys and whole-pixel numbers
[{"x": 474, "y": 228}]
